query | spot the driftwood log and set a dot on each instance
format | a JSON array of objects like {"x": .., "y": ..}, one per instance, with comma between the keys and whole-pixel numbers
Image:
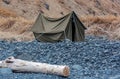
[{"x": 18, "y": 65}]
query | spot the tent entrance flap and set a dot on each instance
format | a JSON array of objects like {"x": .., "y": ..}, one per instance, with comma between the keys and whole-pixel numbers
[{"x": 73, "y": 30}]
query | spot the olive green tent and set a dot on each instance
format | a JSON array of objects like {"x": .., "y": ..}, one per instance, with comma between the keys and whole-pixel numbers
[{"x": 48, "y": 29}]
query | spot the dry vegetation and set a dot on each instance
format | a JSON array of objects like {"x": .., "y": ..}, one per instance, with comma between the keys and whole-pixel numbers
[
  {"x": 15, "y": 26},
  {"x": 7, "y": 12},
  {"x": 106, "y": 25}
]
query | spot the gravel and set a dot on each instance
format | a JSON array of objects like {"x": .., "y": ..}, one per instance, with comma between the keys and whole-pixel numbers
[
  {"x": 5, "y": 71},
  {"x": 95, "y": 58}
]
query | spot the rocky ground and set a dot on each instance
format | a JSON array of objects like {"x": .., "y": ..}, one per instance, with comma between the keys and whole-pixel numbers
[
  {"x": 100, "y": 17},
  {"x": 96, "y": 58}
]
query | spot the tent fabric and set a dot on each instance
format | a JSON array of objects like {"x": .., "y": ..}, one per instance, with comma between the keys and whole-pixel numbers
[{"x": 48, "y": 29}]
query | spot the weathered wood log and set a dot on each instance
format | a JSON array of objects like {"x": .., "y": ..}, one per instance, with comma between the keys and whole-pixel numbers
[
  {"x": 19, "y": 65},
  {"x": 0, "y": 64}
]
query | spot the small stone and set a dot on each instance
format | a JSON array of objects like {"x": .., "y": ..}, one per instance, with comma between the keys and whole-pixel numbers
[
  {"x": 46, "y": 6},
  {"x": 115, "y": 77},
  {"x": 77, "y": 67},
  {"x": 6, "y": 1}
]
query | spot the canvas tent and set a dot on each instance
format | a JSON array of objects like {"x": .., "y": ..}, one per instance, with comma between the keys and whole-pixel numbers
[{"x": 48, "y": 29}]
